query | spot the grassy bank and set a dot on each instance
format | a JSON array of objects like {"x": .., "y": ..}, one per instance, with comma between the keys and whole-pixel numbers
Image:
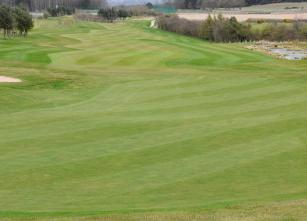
[{"x": 121, "y": 118}]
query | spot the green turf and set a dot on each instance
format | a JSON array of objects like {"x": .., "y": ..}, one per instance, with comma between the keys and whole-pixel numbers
[{"x": 120, "y": 118}]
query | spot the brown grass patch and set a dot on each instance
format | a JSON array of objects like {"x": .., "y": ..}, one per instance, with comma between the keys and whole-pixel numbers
[{"x": 244, "y": 16}]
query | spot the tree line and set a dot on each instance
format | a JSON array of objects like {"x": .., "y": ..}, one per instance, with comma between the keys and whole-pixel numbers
[
  {"x": 220, "y": 29},
  {"x": 111, "y": 14},
  {"x": 59, "y": 11},
  {"x": 14, "y": 21},
  {"x": 201, "y": 4},
  {"x": 123, "y": 12},
  {"x": 39, "y": 5},
  {"x": 217, "y": 28}
]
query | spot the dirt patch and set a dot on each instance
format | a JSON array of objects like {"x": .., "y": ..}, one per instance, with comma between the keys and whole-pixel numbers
[
  {"x": 244, "y": 17},
  {"x": 4, "y": 79}
]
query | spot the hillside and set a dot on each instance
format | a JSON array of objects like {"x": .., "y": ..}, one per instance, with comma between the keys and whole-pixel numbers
[{"x": 205, "y": 4}]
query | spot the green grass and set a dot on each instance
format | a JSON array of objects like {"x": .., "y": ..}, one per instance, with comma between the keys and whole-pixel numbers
[{"x": 121, "y": 118}]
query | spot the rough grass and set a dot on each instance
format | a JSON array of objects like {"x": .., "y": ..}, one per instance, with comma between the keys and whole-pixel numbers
[
  {"x": 122, "y": 119},
  {"x": 282, "y": 211}
]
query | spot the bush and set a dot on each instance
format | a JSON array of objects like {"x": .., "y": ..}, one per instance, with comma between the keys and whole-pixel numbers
[
  {"x": 175, "y": 24},
  {"x": 46, "y": 15},
  {"x": 111, "y": 14},
  {"x": 123, "y": 14},
  {"x": 218, "y": 29},
  {"x": 60, "y": 11},
  {"x": 282, "y": 32},
  {"x": 260, "y": 21}
]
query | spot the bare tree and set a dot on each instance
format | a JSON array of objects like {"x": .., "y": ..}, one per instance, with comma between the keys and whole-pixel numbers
[{"x": 38, "y": 5}]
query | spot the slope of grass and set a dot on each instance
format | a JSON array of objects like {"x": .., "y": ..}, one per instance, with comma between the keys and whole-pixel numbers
[{"x": 117, "y": 118}]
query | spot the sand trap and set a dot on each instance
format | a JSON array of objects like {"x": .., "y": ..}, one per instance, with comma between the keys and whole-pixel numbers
[{"x": 4, "y": 79}]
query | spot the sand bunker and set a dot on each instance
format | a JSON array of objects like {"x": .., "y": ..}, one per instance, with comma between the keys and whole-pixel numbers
[{"x": 4, "y": 79}]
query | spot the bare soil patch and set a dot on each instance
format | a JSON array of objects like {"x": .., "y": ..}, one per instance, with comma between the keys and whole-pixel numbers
[{"x": 4, "y": 79}]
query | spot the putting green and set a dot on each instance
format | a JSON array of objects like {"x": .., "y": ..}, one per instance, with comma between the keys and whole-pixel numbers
[{"x": 120, "y": 117}]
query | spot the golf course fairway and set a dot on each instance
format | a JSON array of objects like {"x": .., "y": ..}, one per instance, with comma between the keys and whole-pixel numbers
[{"x": 119, "y": 118}]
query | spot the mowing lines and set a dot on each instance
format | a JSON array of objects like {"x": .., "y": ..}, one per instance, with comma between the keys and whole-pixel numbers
[{"x": 124, "y": 117}]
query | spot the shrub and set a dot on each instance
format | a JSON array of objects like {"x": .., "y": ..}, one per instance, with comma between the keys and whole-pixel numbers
[
  {"x": 111, "y": 14},
  {"x": 175, "y": 24},
  {"x": 218, "y": 29},
  {"x": 282, "y": 32},
  {"x": 260, "y": 21},
  {"x": 46, "y": 15},
  {"x": 123, "y": 14},
  {"x": 60, "y": 11}
]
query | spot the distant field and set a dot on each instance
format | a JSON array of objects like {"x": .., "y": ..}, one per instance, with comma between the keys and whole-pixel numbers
[
  {"x": 277, "y": 11},
  {"x": 244, "y": 16},
  {"x": 123, "y": 122},
  {"x": 278, "y": 7},
  {"x": 266, "y": 8}
]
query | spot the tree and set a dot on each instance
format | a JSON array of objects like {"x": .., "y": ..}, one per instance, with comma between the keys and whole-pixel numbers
[
  {"x": 122, "y": 13},
  {"x": 206, "y": 29},
  {"x": 60, "y": 11},
  {"x": 23, "y": 3},
  {"x": 6, "y": 20},
  {"x": 85, "y": 4},
  {"x": 109, "y": 14},
  {"x": 38, "y": 5},
  {"x": 23, "y": 21},
  {"x": 15, "y": 19},
  {"x": 149, "y": 5}
]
